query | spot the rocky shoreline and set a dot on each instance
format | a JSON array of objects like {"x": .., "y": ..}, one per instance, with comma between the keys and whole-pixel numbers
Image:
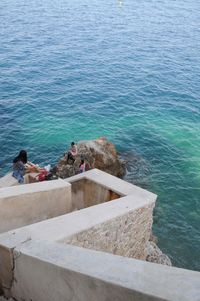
[
  {"x": 102, "y": 154},
  {"x": 99, "y": 153}
]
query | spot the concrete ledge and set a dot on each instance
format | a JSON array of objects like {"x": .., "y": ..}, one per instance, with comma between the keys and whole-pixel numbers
[
  {"x": 38, "y": 262},
  {"x": 27, "y": 204},
  {"x": 63, "y": 227},
  {"x": 8, "y": 180},
  {"x": 72, "y": 273},
  {"x": 120, "y": 226},
  {"x": 59, "y": 228},
  {"x": 119, "y": 186}
]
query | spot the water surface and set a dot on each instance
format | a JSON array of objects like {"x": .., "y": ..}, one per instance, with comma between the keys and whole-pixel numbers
[{"x": 73, "y": 70}]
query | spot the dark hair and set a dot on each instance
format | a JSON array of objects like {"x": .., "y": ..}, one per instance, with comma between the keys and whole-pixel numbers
[
  {"x": 21, "y": 157},
  {"x": 72, "y": 143},
  {"x": 82, "y": 162}
]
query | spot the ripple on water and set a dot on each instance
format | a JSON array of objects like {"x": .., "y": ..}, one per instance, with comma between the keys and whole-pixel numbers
[{"x": 73, "y": 70}]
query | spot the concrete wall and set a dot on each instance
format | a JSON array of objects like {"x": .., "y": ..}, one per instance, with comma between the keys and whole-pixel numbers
[
  {"x": 126, "y": 235},
  {"x": 86, "y": 193},
  {"x": 49, "y": 271},
  {"x": 27, "y": 204},
  {"x": 8, "y": 180},
  {"x": 37, "y": 264},
  {"x": 63, "y": 228},
  {"x": 114, "y": 184},
  {"x": 125, "y": 222}
]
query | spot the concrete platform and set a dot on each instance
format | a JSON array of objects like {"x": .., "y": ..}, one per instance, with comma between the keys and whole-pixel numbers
[
  {"x": 92, "y": 253},
  {"x": 120, "y": 226},
  {"x": 72, "y": 273},
  {"x": 27, "y": 204},
  {"x": 8, "y": 180}
]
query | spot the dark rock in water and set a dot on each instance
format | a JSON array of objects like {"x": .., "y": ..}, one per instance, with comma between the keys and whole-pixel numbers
[
  {"x": 154, "y": 254},
  {"x": 99, "y": 153},
  {"x": 137, "y": 169}
]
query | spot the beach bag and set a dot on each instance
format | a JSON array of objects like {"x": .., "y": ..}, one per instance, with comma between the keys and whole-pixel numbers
[{"x": 49, "y": 176}]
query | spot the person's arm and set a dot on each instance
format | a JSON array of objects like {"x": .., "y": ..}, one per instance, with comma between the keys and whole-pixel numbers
[
  {"x": 30, "y": 163},
  {"x": 30, "y": 167}
]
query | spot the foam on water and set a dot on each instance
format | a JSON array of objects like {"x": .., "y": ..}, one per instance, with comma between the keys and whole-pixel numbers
[{"x": 75, "y": 70}]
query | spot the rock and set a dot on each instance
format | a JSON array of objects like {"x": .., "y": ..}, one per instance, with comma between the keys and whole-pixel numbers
[
  {"x": 99, "y": 153},
  {"x": 65, "y": 170},
  {"x": 102, "y": 154},
  {"x": 153, "y": 238},
  {"x": 156, "y": 255},
  {"x": 138, "y": 169}
]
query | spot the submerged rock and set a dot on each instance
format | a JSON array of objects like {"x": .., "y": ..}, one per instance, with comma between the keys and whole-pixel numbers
[
  {"x": 99, "y": 153},
  {"x": 154, "y": 254},
  {"x": 137, "y": 169}
]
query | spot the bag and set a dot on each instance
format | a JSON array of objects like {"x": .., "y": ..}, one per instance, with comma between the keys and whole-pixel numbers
[{"x": 49, "y": 176}]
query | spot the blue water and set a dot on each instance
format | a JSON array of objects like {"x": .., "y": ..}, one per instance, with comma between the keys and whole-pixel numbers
[{"x": 130, "y": 71}]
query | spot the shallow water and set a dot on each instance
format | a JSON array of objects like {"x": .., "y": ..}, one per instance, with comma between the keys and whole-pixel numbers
[{"x": 73, "y": 70}]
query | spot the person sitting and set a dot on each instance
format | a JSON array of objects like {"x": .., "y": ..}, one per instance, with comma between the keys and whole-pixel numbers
[
  {"x": 72, "y": 152},
  {"x": 82, "y": 166},
  {"x": 19, "y": 166}
]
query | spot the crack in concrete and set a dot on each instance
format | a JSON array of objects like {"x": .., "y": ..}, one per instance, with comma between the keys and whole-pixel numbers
[{"x": 14, "y": 255}]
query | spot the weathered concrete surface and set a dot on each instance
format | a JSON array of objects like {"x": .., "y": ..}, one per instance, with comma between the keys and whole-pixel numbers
[
  {"x": 27, "y": 204},
  {"x": 99, "y": 153},
  {"x": 6, "y": 269},
  {"x": 63, "y": 227},
  {"x": 68, "y": 225},
  {"x": 86, "y": 193},
  {"x": 102, "y": 179},
  {"x": 37, "y": 264},
  {"x": 50, "y": 271},
  {"x": 8, "y": 180},
  {"x": 126, "y": 235},
  {"x": 154, "y": 254},
  {"x": 115, "y": 184}
]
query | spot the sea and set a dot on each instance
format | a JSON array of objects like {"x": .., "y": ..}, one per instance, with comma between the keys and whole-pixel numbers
[{"x": 127, "y": 70}]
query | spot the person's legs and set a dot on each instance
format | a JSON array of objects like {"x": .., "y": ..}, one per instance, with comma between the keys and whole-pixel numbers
[
  {"x": 17, "y": 175},
  {"x": 21, "y": 179}
]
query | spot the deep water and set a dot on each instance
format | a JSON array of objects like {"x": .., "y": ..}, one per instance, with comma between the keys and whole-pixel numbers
[{"x": 130, "y": 71}]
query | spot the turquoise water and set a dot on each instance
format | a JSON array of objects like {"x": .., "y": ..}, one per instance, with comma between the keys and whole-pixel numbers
[{"x": 130, "y": 71}]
